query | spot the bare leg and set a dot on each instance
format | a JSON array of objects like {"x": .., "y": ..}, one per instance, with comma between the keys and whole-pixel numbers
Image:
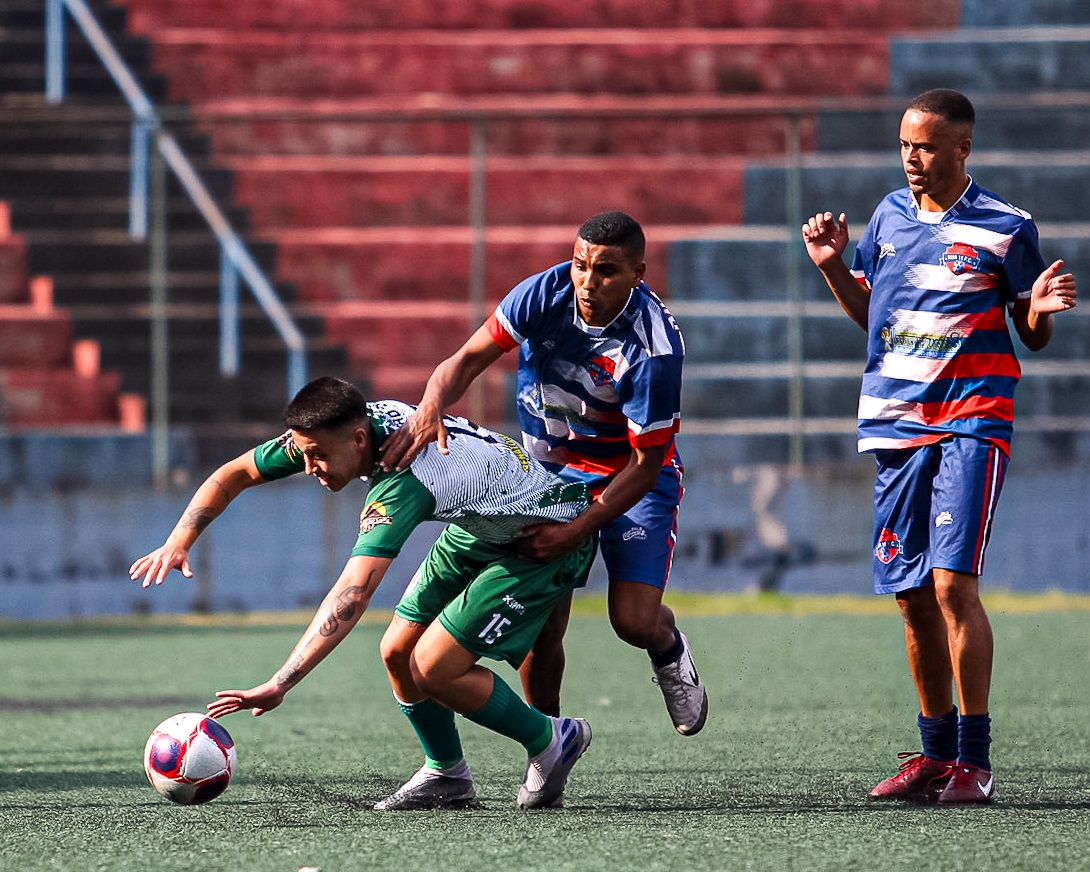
[
  {"x": 543, "y": 669},
  {"x": 639, "y": 617},
  {"x": 969, "y": 634}
]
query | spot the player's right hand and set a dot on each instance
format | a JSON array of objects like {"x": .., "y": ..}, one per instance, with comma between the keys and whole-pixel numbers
[
  {"x": 157, "y": 565},
  {"x": 263, "y": 698},
  {"x": 423, "y": 427},
  {"x": 826, "y": 237}
]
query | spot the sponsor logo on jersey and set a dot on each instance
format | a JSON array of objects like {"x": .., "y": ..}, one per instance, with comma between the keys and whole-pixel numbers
[
  {"x": 921, "y": 344},
  {"x": 601, "y": 369},
  {"x": 513, "y": 604},
  {"x": 634, "y": 533},
  {"x": 374, "y": 516},
  {"x": 961, "y": 257},
  {"x": 515, "y": 449},
  {"x": 888, "y": 249},
  {"x": 944, "y": 519},
  {"x": 889, "y": 546}
]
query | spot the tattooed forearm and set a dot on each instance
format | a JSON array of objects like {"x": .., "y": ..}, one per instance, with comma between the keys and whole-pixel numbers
[
  {"x": 342, "y": 609},
  {"x": 288, "y": 676},
  {"x": 197, "y": 519}
]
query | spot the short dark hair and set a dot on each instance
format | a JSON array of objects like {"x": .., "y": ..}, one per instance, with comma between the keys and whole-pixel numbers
[
  {"x": 615, "y": 228},
  {"x": 326, "y": 403},
  {"x": 952, "y": 105}
]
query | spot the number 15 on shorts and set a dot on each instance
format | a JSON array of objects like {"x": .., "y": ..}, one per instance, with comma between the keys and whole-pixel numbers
[{"x": 494, "y": 630}]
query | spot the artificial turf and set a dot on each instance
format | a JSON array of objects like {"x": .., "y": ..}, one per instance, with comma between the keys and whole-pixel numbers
[{"x": 810, "y": 700}]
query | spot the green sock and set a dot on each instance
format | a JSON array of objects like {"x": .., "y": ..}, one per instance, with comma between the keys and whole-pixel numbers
[
  {"x": 434, "y": 726},
  {"x": 505, "y": 713}
]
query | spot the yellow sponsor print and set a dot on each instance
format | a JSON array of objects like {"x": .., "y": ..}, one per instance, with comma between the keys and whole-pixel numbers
[{"x": 374, "y": 515}]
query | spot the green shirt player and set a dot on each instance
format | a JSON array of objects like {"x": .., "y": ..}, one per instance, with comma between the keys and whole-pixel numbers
[{"x": 472, "y": 597}]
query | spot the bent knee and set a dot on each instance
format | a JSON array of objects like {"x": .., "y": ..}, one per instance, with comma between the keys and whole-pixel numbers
[
  {"x": 396, "y": 652},
  {"x": 637, "y": 630}
]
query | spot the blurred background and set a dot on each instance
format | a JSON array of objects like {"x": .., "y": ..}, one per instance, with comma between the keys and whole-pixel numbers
[{"x": 202, "y": 205}]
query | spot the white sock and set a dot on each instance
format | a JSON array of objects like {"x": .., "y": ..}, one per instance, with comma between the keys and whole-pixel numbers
[
  {"x": 425, "y": 773},
  {"x": 539, "y": 766}
]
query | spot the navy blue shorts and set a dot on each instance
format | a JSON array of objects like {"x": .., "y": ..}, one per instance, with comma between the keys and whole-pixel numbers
[
  {"x": 639, "y": 545},
  {"x": 933, "y": 509}
]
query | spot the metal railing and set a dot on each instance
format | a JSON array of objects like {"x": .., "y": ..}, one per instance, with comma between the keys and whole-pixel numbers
[{"x": 147, "y": 193}]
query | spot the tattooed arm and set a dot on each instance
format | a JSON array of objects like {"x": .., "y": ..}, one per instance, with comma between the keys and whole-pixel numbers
[
  {"x": 208, "y": 503},
  {"x": 339, "y": 612}
]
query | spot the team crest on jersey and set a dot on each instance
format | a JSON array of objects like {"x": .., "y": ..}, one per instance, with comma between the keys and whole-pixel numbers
[
  {"x": 601, "y": 369},
  {"x": 961, "y": 257},
  {"x": 889, "y": 546},
  {"x": 374, "y": 516}
]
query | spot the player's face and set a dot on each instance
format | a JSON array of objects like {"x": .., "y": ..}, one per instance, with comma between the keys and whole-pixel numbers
[
  {"x": 335, "y": 457},
  {"x": 933, "y": 155},
  {"x": 604, "y": 277}
]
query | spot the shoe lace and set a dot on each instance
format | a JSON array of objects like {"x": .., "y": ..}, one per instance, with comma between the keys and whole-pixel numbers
[
  {"x": 909, "y": 759},
  {"x": 673, "y": 688}
]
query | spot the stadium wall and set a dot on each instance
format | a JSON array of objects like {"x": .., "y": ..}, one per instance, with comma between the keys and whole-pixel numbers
[{"x": 65, "y": 551}]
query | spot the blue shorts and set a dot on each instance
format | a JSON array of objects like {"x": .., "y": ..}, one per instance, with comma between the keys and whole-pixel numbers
[
  {"x": 933, "y": 509},
  {"x": 639, "y": 545}
]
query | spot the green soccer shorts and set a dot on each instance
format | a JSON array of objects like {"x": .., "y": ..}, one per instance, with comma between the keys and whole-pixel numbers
[{"x": 486, "y": 596}]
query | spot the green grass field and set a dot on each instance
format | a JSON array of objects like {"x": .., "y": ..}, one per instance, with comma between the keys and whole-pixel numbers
[{"x": 810, "y": 703}]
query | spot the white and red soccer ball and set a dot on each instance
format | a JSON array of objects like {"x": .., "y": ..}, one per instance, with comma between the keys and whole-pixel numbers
[{"x": 189, "y": 758}]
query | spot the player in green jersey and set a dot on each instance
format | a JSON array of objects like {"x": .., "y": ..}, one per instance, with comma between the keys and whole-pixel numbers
[{"x": 472, "y": 597}]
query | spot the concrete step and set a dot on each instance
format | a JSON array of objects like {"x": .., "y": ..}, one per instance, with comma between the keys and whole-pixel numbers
[
  {"x": 989, "y": 60},
  {"x": 148, "y": 16},
  {"x": 548, "y": 124},
  {"x": 67, "y": 251},
  {"x": 204, "y": 62},
  {"x": 1043, "y": 121},
  {"x": 988, "y": 13},
  {"x": 89, "y": 176},
  {"x": 35, "y": 398},
  {"x": 714, "y": 274},
  {"x": 75, "y": 133},
  {"x": 30, "y": 14},
  {"x": 32, "y": 338},
  {"x": 1040, "y": 182},
  {"x": 284, "y": 193},
  {"x": 13, "y": 263},
  {"x": 193, "y": 370},
  {"x": 404, "y": 264},
  {"x": 33, "y": 214}
]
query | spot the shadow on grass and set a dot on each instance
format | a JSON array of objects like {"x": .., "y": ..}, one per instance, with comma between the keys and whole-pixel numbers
[{"x": 52, "y": 705}]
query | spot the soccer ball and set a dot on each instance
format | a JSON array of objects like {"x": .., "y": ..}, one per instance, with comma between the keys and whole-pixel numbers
[{"x": 189, "y": 758}]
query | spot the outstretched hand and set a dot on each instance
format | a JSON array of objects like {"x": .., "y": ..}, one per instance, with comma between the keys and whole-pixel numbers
[
  {"x": 263, "y": 698},
  {"x": 157, "y": 565},
  {"x": 1053, "y": 292},
  {"x": 423, "y": 427},
  {"x": 826, "y": 238}
]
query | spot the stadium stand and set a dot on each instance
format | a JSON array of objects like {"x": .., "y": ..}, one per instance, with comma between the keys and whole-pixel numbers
[
  {"x": 64, "y": 173},
  {"x": 339, "y": 136},
  {"x": 348, "y": 130},
  {"x": 1027, "y": 74},
  {"x": 46, "y": 377}
]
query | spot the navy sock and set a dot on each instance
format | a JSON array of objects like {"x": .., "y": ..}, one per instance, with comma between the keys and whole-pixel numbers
[
  {"x": 661, "y": 658},
  {"x": 940, "y": 735},
  {"x": 974, "y": 739}
]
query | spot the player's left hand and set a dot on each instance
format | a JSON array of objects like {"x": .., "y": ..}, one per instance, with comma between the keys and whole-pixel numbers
[
  {"x": 1053, "y": 291},
  {"x": 547, "y": 542},
  {"x": 263, "y": 698}
]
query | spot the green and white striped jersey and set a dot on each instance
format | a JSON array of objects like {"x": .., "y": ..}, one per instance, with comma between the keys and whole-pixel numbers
[{"x": 487, "y": 485}]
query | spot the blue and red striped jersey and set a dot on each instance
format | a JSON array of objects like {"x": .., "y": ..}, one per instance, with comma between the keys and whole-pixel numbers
[
  {"x": 940, "y": 359},
  {"x": 587, "y": 395}
]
